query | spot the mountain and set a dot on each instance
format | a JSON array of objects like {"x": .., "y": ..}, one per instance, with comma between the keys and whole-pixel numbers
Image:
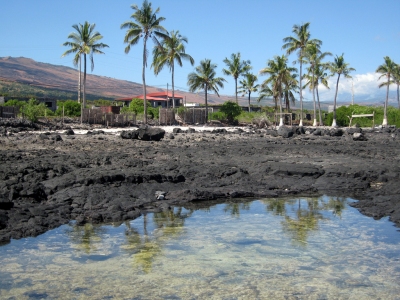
[{"x": 20, "y": 76}]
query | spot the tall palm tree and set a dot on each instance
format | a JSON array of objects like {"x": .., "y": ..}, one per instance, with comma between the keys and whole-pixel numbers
[
  {"x": 266, "y": 91},
  {"x": 77, "y": 49},
  {"x": 314, "y": 56},
  {"x": 205, "y": 79},
  {"x": 339, "y": 67},
  {"x": 320, "y": 77},
  {"x": 300, "y": 41},
  {"x": 171, "y": 50},
  {"x": 85, "y": 41},
  {"x": 145, "y": 25},
  {"x": 291, "y": 86},
  {"x": 279, "y": 76},
  {"x": 396, "y": 80},
  {"x": 387, "y": 69},
  {"x": 248, "y": 85},
  {"x": 235, "y": 68}
]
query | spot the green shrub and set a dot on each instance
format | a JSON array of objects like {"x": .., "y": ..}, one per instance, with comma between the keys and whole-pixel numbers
[
  {"x": 32, "y": 110},
  {"x": 14, "y": 102},
  {"x": 218, "y": 115},
  {"x": 231, "y": 110},
  {"x": 344, "y": 112},
  {"x": 248, "y": 117},
  {"x": 71, "y": 109}
]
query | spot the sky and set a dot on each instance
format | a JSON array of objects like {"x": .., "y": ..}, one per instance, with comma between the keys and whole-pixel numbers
[{"x": 364, "y": 30}]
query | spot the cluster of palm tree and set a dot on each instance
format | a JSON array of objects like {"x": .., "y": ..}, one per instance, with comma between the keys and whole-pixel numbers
[
  {"x": 169, "y": 49},
  {"x": 283, "y": 82},
  {"x": 391, "y": 71}
]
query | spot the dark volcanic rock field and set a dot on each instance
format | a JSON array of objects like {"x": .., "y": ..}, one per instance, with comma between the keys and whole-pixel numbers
[{"x": 49, "y": 179}]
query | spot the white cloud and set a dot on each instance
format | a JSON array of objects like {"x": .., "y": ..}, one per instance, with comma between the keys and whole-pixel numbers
[{"x": 364, "y": 86}]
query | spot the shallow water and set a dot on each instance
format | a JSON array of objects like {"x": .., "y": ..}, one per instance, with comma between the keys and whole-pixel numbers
[{"x": 307, "y": 248}]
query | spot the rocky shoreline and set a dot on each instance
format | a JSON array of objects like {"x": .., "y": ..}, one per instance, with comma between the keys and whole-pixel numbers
[{"x": 48, "y": 179}]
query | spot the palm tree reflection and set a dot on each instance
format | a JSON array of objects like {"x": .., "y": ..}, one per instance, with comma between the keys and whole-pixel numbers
[
  {"x": 234, "y": 208},
  {"x": 86, "y": 237},
  {"x": 301, "y": 220},
  {"x": 145, "y": 248}
]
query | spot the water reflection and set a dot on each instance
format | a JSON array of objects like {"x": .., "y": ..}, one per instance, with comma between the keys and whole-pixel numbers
[{"x": 310, "y": 247}]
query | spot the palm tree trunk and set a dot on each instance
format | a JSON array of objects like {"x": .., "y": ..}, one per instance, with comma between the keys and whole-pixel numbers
[
  {"x": 280, "y": 110},
  {"x": 205, "y": 90},
  {"x": 84, "y": 81},
  {"x": 80, "y": 80},
  {"x": 398, "y": 97},
  {"x": 334, "y": 102},
  {"x": 385, "y": 122},
  {"x": 144, "y": 81},
  {"x": 173, "y": 91},
  {"x": 301, "y": 91},
  {"x": 315, "y": 105},
  {"x": 236, "y": 91},
  {"x": 319, "y": 108},
  {"x": 249, "y": 102}
]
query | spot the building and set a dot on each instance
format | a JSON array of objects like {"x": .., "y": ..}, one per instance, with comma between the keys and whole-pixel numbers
[
  {"x": 51, "y": 103},
  {"x": 159, "y": 99}
]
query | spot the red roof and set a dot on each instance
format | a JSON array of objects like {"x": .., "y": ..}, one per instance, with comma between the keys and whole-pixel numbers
[{"x": 160, "y": 96}]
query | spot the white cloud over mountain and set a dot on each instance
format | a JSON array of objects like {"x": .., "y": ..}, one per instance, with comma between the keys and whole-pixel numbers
[{"x": 364, "y": 86}]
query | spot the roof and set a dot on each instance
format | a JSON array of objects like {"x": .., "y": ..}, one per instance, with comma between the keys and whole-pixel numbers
[{"x": 159, "y": 96}]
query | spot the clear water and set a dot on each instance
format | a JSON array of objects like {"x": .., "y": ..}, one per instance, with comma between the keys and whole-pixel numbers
[{"x": 307, "y": 248}]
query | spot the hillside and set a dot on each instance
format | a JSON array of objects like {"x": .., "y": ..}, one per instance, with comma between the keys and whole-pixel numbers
[{"x": 20, "y": 76}]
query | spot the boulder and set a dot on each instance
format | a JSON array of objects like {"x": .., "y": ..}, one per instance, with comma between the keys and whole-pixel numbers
[
  {"x": 285, "y": 132},
  {"x": 69, "y": 131},
  {"x": 129, "y": 134},
  {"x": 147, "y": 133},
  {"x": 359, "y": 137}
]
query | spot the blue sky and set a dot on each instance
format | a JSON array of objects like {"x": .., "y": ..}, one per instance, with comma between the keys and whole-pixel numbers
[{"x": 364, "y": 30}]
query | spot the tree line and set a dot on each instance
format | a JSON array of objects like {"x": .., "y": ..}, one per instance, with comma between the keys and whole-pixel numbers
[{"x": 283, "y": 81}]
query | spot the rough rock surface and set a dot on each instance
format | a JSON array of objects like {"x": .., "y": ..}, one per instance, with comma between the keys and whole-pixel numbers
[{"x": 46, "y": 180}]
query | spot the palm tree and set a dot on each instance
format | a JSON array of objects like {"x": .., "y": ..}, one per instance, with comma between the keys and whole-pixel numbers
[
  {"x": 300, "y": 42},
  {"x": 291, "y": 86},
  {"x": 236, "y": 67},
  {"x": 171, "y": 50},
  {"x": 266, "y": 91},
  {"x": 314, "y": 56},
  {"x": 84, "y": 42},
  {"x": 280, "y": 74},
  {"x": 77, "y": 49},
  {"x": 145, "y": 25},
  {"x": 320, "y": 76},
  {"x": 387, "y": 69},
  {"x": 248, "y": 85},
  {"x": 204, "y": 79},
  {"x": 339, "y": 67},
  {"x": 396, "y": 80}
]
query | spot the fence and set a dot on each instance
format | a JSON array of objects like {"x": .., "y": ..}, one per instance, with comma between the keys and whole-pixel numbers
[
  {"x": 96, "y": 116},
  {"x": 167, "y": 116},
  {"x": 9, "y": 111}
]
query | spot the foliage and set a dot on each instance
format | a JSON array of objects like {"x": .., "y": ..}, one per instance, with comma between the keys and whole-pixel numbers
[
  {"x": 171, "y": 50},
  {"x": 343, "y": 112},
  {"x": 14, "y": 102},
  {"x": 32, "y": 110},
  {"x": 85, "y": 41},
  {"x": 145, "y": 24},
  {"x": 137, "y": 107},
  {"x": 235, "y": 68},
  {"x": 102, "y": 102},
  {"x": 205, "y": 79},
  {"x": 218, "y": 115},
  {"x": 231, "y": 110},
  {"x": 71, "y": 108},
  {"x": 248, "y": 117}
]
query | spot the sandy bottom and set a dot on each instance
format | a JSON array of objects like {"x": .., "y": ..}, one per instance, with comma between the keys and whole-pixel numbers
[{"x": 230, "y": 251}]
